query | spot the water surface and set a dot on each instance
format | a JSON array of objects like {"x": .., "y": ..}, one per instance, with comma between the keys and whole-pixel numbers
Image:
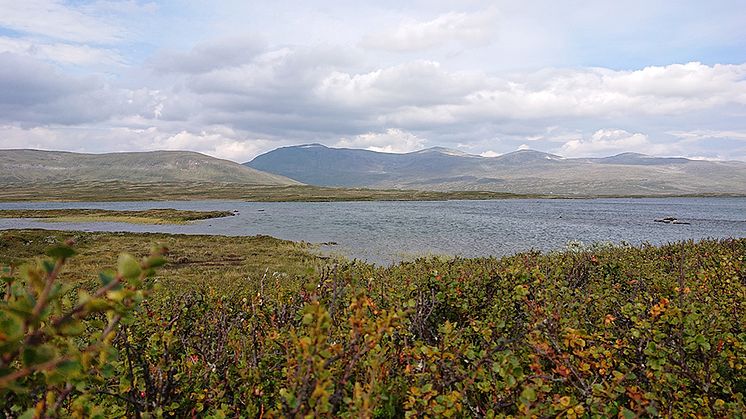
[{"x": 384, "y": 232}]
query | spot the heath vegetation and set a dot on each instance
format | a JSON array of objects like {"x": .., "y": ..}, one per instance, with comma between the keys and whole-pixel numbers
[
  {"x": 150, "y": 216},
  {"x": 160, "y": 191},
  {"x": 259, "y": 327}
]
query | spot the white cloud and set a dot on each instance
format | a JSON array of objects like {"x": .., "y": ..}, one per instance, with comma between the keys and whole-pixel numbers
[
  {"x": 415, "y": 83},
  {"x": 220, "y": 94},
  {"x": 37, "y": 138},
  {"x": 82, "y": 55},
  {"x": 666, "y": 90},
  {"x": 391, "y": 141},
  {"x": 217, "y": 142},
  {"x": 221, "y": 143},
  {"x": 699, "y": 135},
  {"x": 412, "y": 35},
  {"x": 609, "y": 141},
  {"x": 690, "y": 80}
]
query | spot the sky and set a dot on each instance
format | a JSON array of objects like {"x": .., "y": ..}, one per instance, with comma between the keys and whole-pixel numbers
[{"x": 234, "y": 79}]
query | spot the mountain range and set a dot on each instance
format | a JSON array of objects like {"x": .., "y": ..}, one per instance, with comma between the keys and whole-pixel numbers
[
  {"x": 523, "y": 172},
  {"x": 432, "y": 169},
  {"x": 36, "y": 166}
]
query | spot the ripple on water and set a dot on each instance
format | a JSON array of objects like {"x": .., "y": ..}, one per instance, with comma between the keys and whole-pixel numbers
[{"x": 384, "y": 232}]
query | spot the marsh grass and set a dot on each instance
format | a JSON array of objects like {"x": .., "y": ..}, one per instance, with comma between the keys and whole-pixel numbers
[{"x": 194, "y": 261}]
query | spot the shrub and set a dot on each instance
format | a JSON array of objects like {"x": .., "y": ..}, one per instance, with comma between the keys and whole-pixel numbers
[
  {"x": 55, "y": 350},
  {"x": 608, "y": 331}
]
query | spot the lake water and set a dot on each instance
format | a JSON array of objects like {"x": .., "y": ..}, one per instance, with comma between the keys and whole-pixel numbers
[{"x": 384, "y": 232}]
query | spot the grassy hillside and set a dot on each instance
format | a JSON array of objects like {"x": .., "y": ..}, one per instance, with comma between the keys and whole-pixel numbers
[
  {"x": 258, "y": 327},
  {"x": 25, "y": 166}
]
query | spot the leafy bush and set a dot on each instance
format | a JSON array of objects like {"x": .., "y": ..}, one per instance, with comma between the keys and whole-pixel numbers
[
  {"x": 55, "y": 351},
  {"x": 625, "y": 331}
]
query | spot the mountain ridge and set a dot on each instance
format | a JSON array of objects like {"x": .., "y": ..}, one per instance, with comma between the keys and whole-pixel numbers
[
  {"x": 29, "y": 165},
  {"x": 522, "y": 171}
]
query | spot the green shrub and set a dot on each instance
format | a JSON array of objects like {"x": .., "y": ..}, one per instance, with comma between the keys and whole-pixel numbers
[
  {"x": 55, "y": 350},
  {"x": 608, "y": 331}
]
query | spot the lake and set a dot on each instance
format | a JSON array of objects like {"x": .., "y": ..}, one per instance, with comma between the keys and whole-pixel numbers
[{"x": 385, "y": 232}]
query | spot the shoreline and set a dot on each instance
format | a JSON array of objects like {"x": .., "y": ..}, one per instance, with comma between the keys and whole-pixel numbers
[
  {"x": 128, "y": 192},
  {"x": 159, "y": 216}
]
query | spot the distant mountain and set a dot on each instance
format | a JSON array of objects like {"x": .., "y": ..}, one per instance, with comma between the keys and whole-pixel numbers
[
  {"x": 145, "y": 167},
  {"x": 524, "y": 171}
]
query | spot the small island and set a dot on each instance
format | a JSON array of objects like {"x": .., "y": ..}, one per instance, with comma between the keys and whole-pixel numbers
[{"x": 151, "y": 216}]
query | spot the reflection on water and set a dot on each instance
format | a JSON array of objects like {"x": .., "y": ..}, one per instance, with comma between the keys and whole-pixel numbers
[{"x": 388, "y": 231}]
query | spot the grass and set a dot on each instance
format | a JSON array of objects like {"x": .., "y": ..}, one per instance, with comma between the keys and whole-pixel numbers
[
  {"x": 119, "y": 191},
  {"x": 183, "y": 191},
  {"x": 196, "y": 261},
  {"x": 151, "y": 216}
]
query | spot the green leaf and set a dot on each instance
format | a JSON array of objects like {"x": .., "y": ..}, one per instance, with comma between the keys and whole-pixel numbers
[
  {"x": 528, "y": 394},
  {"x": 48, "y": 265},
  {"x": 60, "y": 252},
  {"x": 73, "y": 327},
  {"x": 628, "y": 414},
  {"x": 10, "y": 324},
  {"x": 96, "y": 305},
  {"x": 34, "y": 355},
  {"x": 105, "y": 278},
  {"x": 156, "y": 261},
  {"x": 127, "y": 266},
  {"x": 69, "y": 368},
  {"x": 29, "y": 414}
]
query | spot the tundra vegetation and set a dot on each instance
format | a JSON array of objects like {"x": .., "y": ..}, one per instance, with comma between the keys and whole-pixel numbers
[
  {"x": 160, "y": 191},
  {"x": 259, "y": 327},
  {"x": 150, "y": 216}
]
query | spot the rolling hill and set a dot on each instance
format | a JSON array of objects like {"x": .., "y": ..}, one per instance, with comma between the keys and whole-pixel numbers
[
  {"x": 523, "y": 172},
  {"x": 26, "y": 166}
]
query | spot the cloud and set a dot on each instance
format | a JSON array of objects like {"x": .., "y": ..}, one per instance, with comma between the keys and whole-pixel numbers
[
  {"x": 690, "y": 80},
  {"x": 37, "y": 93},
  {"x": 208, "y": 56},
  {"x": 81, "y": 55},
  {"x": 217, "y": 142},
  {"x": 711, "y": 144},
  {"x": 28, "y": 82},
  {"x": 120, "y": 7},
  {"x": 466, "y": 29},
  {"x": 664, "y": 90},
  {"x": 605, "y": 142},
  {"x": 296, "y": 95},
  {"x": 54, "y": 19},
  {"x": 234, "y": 95},
  {"x": 392, "y": 140},
  {"x": 699, "y": 135},
  {"x": 416, "y": 83}
]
